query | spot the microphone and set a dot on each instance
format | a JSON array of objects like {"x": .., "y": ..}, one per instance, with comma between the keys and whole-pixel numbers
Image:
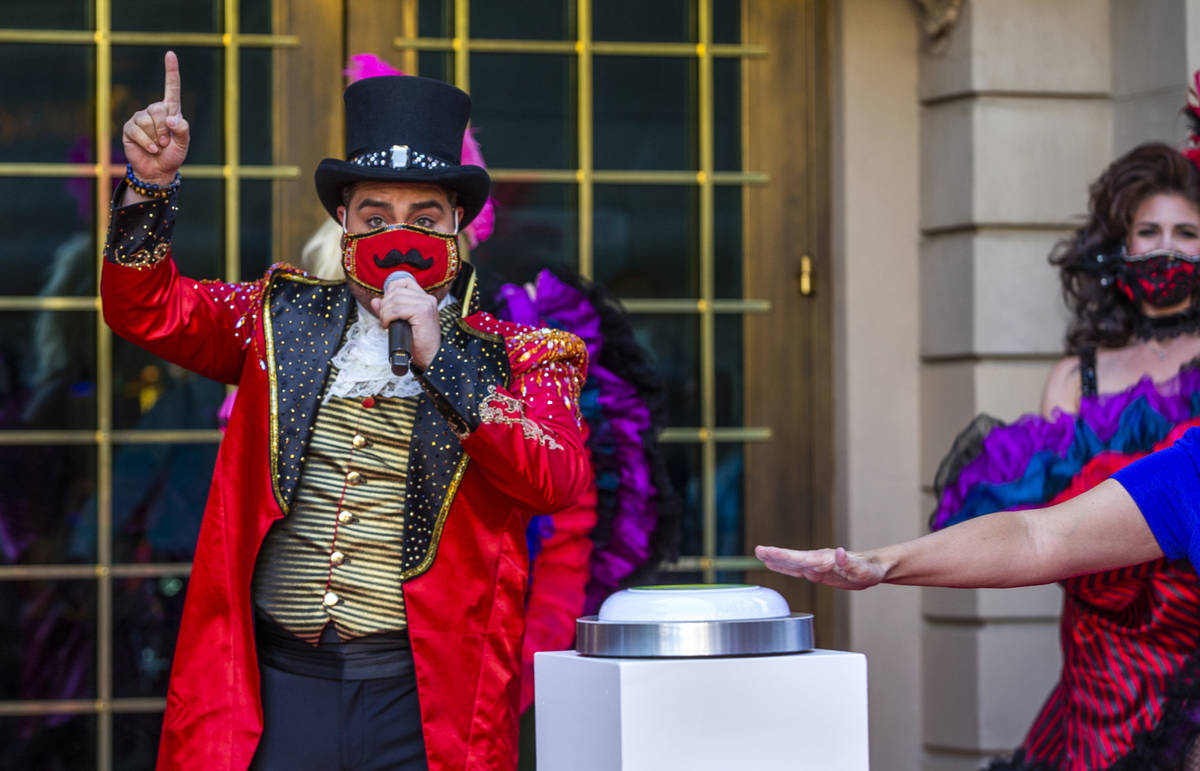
[{"x": 399, "y": 333}]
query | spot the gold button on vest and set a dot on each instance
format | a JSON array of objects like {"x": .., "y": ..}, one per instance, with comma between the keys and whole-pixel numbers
[{"x": 362, "y": 539}]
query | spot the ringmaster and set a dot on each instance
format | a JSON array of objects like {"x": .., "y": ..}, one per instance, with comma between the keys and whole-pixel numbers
[{"x": 357, "y": 592}]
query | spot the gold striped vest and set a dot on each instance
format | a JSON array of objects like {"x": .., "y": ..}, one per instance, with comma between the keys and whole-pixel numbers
[{"x": 335, "y": 556}]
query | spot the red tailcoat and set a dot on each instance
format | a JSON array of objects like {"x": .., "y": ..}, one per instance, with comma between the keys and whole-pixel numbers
[{"x": 497, "y": 439}]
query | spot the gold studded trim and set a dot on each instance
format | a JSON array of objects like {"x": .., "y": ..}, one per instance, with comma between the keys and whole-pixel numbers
[
  {"x": 473, "y": 332},
  {"x": 289, "y": 273},
  {"x": 273, "y": 389},
  {"x": 144, "y": 259},
  {"x": 440, "y": 523},
  {"x": 501, "y": 408},
  {"x": 292, "y": 273}
]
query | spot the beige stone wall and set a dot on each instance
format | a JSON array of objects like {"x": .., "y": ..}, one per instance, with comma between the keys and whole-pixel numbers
[
  {"x": 956, "y": 168},
  {"x": 1025, "y": 106},
  {"x": 1016, "y": 119},
  {"x": 875, "y": 234}
]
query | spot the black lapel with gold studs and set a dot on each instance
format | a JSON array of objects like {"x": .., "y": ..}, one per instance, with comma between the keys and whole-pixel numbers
[{"x": 305, "y": 321}]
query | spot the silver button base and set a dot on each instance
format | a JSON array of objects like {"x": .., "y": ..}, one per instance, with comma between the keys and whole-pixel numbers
[{"x": 686, "y": 639}]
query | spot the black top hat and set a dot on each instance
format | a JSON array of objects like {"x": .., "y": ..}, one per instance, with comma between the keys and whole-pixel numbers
[{"x": 401, "y": 128}]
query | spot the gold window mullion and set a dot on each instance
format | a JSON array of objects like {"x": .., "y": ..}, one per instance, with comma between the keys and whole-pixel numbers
[
  {"x": 104, "y": 372},
  {"x": 585, "y": 175},
  {"x": 462, "y": 44},
  {"x": 232, "y": 148},
  {"x": 708, "y": 399}
]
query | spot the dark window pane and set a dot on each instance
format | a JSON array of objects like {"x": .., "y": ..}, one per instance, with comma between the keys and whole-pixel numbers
[
  {"x": 53, "y": 122},
  {"x": 523, "y": 111},
  {"x": 729, "y": 369},
  {"x": 436, "y": 65},
  {"x": 254, "y": 17},
  {"x": 727, "y": 242},
  {"x": 435, "y": 18},
  {"x": 47, "y": 640},
  {"x": 48, "y": 369},
  {"x": 255, "y": 125},
  {"x": 159, "y": 491},
  {"x": 157, "y": 16},
  {"x": 683, "y": 466},
  {"x": 198, "y": 246},
  {"x": 727, "y": 21},
  {"x": 536, "y": 227},
  {"x": 48, "y": 515},
  {"x": 146, "y": 614},
  {"x": 646, "y": 240},
  {"x": 152, "y": 395},
  {"x": 731, "y": 500},
  {"x": 135, "y": 740},
  {"x": 257, "y": 250},
  {"x": 138, "y": 81},
  {"x": 665, "y": 21},
  {"x": 674, "y": 342},
  {"x": 51, "y": 261},
  {"x": 48, "y": 743},
  {"x": 528, "y": 20},
  {"x": 727, "y": 114},
  {"x": 47, "y": 14},
  {"x": 645, "y": 113}
]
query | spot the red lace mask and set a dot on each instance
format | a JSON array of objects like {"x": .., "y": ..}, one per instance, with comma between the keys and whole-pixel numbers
[
  {"x": 431, "y": 257},
  {"x": 1162, "y": 278}
]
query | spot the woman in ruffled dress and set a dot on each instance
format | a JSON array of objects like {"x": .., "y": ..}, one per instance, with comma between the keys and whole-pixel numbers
[{"x": 1129, "y": 693}]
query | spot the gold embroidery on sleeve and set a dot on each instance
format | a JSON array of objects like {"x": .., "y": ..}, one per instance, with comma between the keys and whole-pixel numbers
[
  {"x": 502, "y": 408},
  {"x": 144, "y": 258}
]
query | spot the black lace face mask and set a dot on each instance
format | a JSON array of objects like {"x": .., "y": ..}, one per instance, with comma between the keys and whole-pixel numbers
[{"x": 1161, "y": 278}]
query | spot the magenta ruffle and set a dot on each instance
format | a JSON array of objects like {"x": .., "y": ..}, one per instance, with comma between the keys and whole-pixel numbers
[
  {"x": 1123, "y": 421},
  {"x": 627, "y": 419}
]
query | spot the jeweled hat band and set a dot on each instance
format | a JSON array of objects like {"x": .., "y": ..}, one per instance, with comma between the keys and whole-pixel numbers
[{"x": 398, "y": 157}]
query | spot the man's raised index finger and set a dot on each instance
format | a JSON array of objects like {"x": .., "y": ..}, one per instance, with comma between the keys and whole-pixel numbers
[{"x": 171, "y": 83}]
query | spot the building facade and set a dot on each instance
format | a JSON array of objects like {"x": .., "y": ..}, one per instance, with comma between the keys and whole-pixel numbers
[{"x": 829, "y": 221}]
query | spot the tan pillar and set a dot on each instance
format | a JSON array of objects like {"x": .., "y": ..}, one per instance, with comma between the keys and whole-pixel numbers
[{"x": 1016, "y": 119}]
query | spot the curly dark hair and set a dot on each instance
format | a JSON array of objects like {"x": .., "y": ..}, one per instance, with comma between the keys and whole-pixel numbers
[{"x": 1088, "y": 261}]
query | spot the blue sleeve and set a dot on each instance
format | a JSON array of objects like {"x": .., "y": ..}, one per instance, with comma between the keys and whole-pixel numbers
[{"x": 1166, "y": 488}]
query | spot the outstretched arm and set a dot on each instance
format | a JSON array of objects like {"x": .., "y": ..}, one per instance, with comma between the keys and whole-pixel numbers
[{"x": 1098, "y": 530}]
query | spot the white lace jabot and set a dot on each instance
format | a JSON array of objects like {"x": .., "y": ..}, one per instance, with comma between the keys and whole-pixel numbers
[{"x": 362, "y": 362}]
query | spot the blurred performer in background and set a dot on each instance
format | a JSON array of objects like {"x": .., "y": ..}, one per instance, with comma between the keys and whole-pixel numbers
[
  {"x": 362, "y": 561},
  {"x": 1127, "y": 696}
]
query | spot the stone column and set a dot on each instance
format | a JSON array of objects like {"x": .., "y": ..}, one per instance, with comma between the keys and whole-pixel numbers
[
  {"x": 874, "y": 233},
  {"x": 1016, "y": 120},
  {"x": 1155, "y": 49}
]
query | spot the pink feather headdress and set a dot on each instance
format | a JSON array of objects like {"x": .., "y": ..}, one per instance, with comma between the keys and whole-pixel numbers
[{"x": 371, "y": 66}]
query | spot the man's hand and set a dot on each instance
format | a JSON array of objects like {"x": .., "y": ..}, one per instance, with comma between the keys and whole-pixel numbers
[
  {"x": 156, "y": 138},
  {"x": 406, "y": 300},
  {"x": 834, "y": 567}
]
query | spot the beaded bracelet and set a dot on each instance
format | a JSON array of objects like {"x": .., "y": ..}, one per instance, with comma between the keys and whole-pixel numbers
[{"x": 149, "y": 189}]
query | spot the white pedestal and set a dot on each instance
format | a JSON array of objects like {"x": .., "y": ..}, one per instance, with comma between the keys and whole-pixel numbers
[{"x": 805, "y": 711}]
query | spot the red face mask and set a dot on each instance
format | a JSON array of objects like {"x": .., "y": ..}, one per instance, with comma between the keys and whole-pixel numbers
[
  {"x": 431, "y": 257},
  {"x": 1162, "y": 278}
]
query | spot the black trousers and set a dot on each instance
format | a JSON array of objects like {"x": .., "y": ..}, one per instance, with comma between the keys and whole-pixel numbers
[{"x": 353, "y": 725}]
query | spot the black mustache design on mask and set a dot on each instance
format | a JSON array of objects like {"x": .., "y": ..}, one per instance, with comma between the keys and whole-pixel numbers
[{"x": 412, "y": 258}]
